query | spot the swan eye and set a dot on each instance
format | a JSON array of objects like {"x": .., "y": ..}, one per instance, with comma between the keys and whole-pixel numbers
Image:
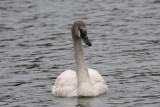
[{"x": 82, "y": 32}]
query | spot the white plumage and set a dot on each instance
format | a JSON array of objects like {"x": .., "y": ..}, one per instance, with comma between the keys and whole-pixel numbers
[
  {"x": 66, "y": 83},
  {"x": 83, "y": 81}
]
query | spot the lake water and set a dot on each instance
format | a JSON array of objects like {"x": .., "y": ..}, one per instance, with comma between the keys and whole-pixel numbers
[{"x": 36, "y": 46}]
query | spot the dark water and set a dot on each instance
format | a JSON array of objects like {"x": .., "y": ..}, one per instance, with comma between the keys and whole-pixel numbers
[{"x": 36, "y": 46}]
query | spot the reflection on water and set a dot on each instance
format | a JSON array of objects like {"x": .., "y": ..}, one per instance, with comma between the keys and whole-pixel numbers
[
  {"x": 81, "y": 101},
  {"x": 36, "y": 46}
]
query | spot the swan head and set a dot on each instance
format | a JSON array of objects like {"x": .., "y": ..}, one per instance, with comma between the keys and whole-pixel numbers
[{"x": 79, "y": 30}]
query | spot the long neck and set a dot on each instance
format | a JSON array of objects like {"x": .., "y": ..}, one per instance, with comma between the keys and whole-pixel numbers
[{"x": 81, "y": 68}]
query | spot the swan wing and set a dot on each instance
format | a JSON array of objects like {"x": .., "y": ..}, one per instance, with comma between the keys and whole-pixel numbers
[
  {"x": 97, "y": 81},
  {"x": 65, "y": 84}
]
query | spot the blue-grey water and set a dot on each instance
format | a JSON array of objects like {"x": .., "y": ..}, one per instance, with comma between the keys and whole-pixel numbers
[{"x": 36, "y": 46}]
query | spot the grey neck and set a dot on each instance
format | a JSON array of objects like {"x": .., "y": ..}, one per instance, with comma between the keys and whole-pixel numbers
[{"x": 81, "y": 67}]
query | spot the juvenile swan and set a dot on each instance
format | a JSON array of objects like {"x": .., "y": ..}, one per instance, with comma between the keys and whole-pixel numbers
[{"x": 83, "y": 81}]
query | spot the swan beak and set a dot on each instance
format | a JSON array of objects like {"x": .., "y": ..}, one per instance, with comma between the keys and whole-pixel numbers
[
  {"x": 86, "y": 40},
  {"x": 84, "y": 36}
]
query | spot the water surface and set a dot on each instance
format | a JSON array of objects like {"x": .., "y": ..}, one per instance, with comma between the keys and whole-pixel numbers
[{"x": 36, "y": 46}]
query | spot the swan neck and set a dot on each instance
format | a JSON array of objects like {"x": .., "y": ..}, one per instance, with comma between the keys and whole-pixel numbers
[{"x": 81, "y": 67}]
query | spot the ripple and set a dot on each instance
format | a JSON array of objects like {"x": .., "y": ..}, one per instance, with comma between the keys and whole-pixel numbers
[{"x": 36, "y": 46}]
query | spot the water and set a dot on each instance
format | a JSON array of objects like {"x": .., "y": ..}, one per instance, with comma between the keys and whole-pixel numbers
[{"x": 36, "y": 46}]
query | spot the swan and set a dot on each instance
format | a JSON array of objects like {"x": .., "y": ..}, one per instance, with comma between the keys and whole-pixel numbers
[{"x": 84, "y": 81}]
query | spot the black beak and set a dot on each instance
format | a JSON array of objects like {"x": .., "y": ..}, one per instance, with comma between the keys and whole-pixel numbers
[{"x": 84, "y": 36}]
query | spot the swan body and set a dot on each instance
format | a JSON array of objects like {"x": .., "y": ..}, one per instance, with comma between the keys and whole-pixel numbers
[
  {"x": 68, "y": 86},
  {"x": 84, "y": 81}
]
